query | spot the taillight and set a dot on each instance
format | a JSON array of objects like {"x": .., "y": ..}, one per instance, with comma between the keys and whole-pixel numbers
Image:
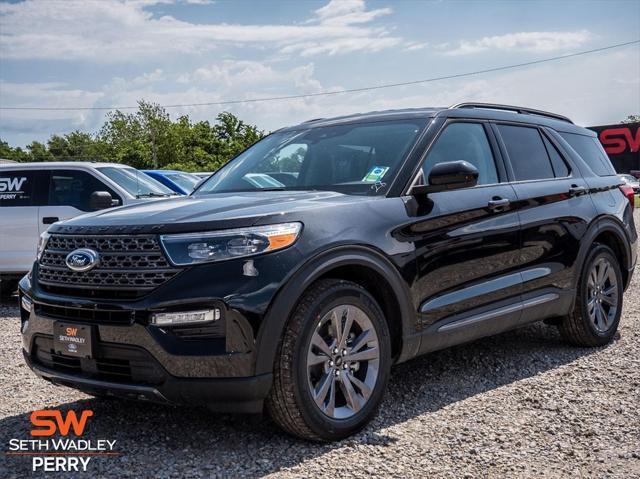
[{"x": 628, "y": 192}]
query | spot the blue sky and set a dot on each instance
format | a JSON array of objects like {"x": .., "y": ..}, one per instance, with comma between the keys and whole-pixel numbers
[{"x": 99, "y": 53}]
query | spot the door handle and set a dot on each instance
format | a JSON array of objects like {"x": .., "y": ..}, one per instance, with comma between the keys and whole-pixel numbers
[
  {"x": 49, "y": 220},
  {"x": 498, "y": 203},
  {"x": 576, "y": 190}
]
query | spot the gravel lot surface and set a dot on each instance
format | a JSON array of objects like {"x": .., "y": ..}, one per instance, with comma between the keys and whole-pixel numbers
[{"x": 521, "y": 404}]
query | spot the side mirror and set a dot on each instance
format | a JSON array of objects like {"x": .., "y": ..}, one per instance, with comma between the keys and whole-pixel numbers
[
  {"x": 451, "y": 175},
  {"x": 100, "y": 200}
]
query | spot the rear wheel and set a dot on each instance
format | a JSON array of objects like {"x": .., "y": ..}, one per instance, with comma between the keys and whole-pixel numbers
[
  {"x": 333, "y": 363},
  {"x": 596, "y": 314}
]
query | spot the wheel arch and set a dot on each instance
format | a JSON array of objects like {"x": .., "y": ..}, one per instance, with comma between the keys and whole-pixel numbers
[
  {"x": 359, "y": 264},
  {"x": 610, "y": 233}
]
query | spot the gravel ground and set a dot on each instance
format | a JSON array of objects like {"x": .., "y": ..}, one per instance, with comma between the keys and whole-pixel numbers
[{"x": 521, "y": 404}]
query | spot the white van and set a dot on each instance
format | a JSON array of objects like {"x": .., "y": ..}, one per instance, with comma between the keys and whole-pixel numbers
[{"x": 35, "y": 195}]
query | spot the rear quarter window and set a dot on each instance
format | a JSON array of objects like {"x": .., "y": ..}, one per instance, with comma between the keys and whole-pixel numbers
[
  {"x": 591, "y": 152},
  {"x": 17, "y": 188}
]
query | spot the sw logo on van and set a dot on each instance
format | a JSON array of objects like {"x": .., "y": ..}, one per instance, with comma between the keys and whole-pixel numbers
[{"x": 13, "y": 185}]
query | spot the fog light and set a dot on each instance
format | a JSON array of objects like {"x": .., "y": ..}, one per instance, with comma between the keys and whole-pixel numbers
[
  {"x": 185, "y": 317},
  {"x": 26, "y": 303}
]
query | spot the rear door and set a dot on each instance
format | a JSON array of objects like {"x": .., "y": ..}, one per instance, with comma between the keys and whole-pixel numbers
[
  {"x": 467, "y": 242},
  {"x": 18, "y": 219},
  {"x": 554, "y": 210},
  {"x": 68, "y": 195}
]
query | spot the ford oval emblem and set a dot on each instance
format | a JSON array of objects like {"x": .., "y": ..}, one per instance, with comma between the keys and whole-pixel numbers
[{"x": 82, "y": 260}]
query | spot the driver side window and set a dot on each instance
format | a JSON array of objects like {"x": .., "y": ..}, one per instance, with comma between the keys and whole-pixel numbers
[{"x": 463, "y": 141}]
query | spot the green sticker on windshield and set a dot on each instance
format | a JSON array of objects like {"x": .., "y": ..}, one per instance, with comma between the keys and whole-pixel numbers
[{"x": 375, "y": 174}]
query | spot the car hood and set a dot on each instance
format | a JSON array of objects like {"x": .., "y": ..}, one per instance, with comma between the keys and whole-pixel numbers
[{"x": 192, "y": 213}]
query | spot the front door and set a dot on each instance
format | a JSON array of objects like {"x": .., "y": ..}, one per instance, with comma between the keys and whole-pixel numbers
[
  {"x": 467, "y": 242},
  {"x": 68, "y": 195}
]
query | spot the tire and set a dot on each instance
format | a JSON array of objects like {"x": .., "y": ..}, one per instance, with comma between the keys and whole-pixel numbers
[
  {"x": 291, "y": 402},
  {"x": 581, "y": 327}
]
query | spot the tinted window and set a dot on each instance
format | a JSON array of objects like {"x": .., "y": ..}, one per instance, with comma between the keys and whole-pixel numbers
[
  {"x": 135, "y": 182},
  {"x": 527, "y": 153},
  {"x": 17, "y": 188},
  {"x": 73, "y": 188},
  {"x": 591, "y": 151},
  {"x": 357, "y": 158},
  {"x": 560, "y": 168},
  {"x": 464, "y": 141},
  {"x": 184, "y": 180}
]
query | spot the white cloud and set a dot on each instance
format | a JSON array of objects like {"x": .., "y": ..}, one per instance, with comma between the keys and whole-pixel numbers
[
  {"x": 413, "y": 46},
  {"x": 239, "y": 75},
  {"x": 116, "y": 31},
  {"x": 537, "y": 42},
  {"x": 579, "y": 88},
  {"x": 346, "y": 12},
  {"x": 341, "y": 46}
]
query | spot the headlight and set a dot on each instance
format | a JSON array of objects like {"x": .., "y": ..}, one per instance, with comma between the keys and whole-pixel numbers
[
  {"x": 42, "y": 244},
  {"x": 194, "y": 248}
]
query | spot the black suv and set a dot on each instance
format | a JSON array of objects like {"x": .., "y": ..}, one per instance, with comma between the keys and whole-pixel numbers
[{"x": 301, "y": 271}]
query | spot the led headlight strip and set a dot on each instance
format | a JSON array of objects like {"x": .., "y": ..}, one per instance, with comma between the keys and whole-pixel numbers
[{"x": 195, "y": 248}]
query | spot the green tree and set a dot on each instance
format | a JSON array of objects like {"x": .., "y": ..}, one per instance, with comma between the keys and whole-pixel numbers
[
  {"x": 632, "y": 119},
  {"x": 39, "y": 152},
  {"x": 14, "y": 154},
  {"x": 148, "y": 138}
]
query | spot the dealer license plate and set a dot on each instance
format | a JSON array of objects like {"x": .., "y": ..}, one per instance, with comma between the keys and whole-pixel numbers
[{"x": 73, "y": 339}]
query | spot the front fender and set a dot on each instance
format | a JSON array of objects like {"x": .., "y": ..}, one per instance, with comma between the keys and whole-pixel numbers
[{"x": 286, "y": 299}]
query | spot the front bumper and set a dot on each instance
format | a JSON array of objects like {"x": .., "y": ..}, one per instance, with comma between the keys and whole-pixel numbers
[
  {"x": 243, "y": 395},
  {"x": 215, "y": 367}
]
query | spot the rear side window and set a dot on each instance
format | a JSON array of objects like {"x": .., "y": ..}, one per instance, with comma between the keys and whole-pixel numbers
[
  {"x": 527, "y": 153},
  {"x": 73, "y": 188},
  {"x": 560, "y": 168},
  {"x": 464, "y": 141},
  {"x": 17, "y": 188},
  {"x": 591, "y": 152}
]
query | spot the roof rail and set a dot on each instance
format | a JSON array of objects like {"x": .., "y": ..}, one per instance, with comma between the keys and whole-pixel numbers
[{"x": 517, "y": 109}]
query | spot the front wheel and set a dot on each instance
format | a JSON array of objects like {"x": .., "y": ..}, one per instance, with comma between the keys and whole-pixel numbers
[
  {"x": 596, "y": 314},
  {"x": 333, "y": 363}
]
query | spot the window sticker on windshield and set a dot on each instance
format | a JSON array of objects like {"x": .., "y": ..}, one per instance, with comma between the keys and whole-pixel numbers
[{"x": 375, "y": 174}]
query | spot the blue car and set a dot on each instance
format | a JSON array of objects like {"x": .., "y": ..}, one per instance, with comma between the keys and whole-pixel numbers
[{"x": 179, "y": 181}]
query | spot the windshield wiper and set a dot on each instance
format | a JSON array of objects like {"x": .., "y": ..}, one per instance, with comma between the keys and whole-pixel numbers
[{"x": 152, "y": 195}]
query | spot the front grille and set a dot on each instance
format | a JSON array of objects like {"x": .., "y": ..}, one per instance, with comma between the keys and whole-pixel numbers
[
  {"x": 129, "y": 267},
  {"x": 112, "y": 362},
  {"x": 98, "y": 316}
]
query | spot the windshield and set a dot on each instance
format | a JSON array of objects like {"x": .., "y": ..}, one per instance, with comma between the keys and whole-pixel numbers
[
  {"x": 361, "y": 159},
  {"x": 135, "y": 182},
  {"x": 184, "y": 180}
]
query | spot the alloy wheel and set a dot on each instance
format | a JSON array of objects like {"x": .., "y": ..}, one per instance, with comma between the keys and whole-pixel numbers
[
  {"x": 602, "y": 291},
  {"x": 342, "y": 361}
]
